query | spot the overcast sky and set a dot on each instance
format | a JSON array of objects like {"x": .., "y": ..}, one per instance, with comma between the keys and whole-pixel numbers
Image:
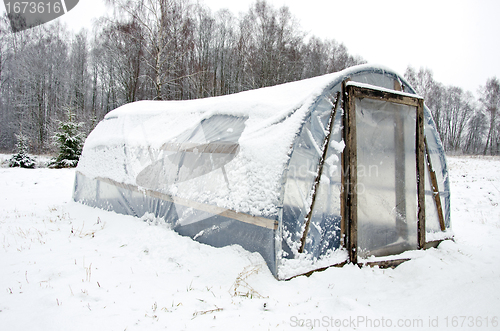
[{"x": 458, "y": 40}]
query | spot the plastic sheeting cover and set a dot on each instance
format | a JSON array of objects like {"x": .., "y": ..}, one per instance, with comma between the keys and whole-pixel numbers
[
  {"x": 386, "y": 177},
  {"x": 240, "y": 169}
]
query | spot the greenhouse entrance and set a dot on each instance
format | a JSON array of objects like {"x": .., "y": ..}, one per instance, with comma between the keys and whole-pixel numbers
[{"x": 383, "y": 164}]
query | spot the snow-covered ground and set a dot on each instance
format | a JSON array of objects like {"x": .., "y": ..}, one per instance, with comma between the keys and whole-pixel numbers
[{"x": 65, "y": 266}]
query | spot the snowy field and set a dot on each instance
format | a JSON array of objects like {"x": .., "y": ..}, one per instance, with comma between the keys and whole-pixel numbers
[{"x": 65, "y": 266}]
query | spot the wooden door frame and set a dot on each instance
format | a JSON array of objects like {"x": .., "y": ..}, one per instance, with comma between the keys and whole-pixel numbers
[{"x": 351, "y": 91}]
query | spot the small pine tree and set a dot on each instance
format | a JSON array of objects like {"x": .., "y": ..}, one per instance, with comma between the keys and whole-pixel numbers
[
  {"x": 69, "y": 141},
  {"x": 22, "y": 159}
]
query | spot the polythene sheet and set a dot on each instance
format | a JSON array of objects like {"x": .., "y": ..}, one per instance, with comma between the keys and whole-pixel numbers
[
  {"x": 210, "y": 228},
  {"x": 195, "y": 154},
  {"x": 376, "y": 79},
  {"x": 386, "y": 177},
  {"x": 301, "y": 175},
  {"x": 195, "y": 160},
  {"x": 323, "y": 235},
  {"x": 431, "y": 213},
  {"x": 437, "y": 155},
  {"x": 136, "y": 171}
]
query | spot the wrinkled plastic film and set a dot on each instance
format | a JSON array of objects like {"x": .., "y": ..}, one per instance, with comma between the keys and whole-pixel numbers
[
  {"x": 376, "y": 79},
  {"x": 324, "y": 230},
  {"x": 431, "y": 214},
  {"x": 198, "y": 161},
  {"x": 301, "y": 176},
  {"x": 387, "y": 223},
  {"x": 202, "y": 161},
  {"x": 438, "y": 159},
  {"x": 195, "y": 153},
  {"x": 437, "y": 155}
]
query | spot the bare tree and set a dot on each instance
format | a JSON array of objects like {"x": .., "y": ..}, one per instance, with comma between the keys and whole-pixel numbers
[
  {"x": 459, "y": 108},
  {"x": 79, "y": 65},
  {"x": 225, "y": 81},
  {"x": 164, "y": 25},
  {"x": 203, "y": 56},
  {"x": 7, "y": 120},
  {"x": 150, "y": 49},
  {"x": 123, "y": 45},
  {"x": 38, "y": 83},
  {"x": 316, "y": 58},
  {"x": 476, "y": 132},
  {"x": 490, "y": 100},
  {"x": 425, "y": 85},
  {"x": 340, "y": 58}
]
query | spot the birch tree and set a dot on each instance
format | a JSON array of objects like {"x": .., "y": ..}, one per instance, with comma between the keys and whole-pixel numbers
[{"x": 164, "y": 25}]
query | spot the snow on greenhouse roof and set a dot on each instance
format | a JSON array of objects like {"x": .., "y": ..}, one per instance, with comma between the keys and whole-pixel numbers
[{"x": 130, "y": 138}]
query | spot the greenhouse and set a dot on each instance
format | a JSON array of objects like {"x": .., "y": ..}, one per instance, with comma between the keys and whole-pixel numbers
[{"x": 342, "y": 168}]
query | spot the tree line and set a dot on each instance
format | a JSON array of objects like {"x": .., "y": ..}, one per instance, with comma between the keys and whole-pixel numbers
[
  {"x": 179, "y": 50},
  {"x": 465, "y": 124}
]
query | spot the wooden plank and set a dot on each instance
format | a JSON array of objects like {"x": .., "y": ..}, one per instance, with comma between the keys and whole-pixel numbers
[
  {"x": 212, "y": 209},
  {"x": 221, "y": 147},
  {"x": 384, "y": 264},
  {"x": 434, "y": 243},
  {"x": 397, "y": 85},
  {"x": 343, "y": 217},
  {"x": 345, "y": 222},
  {"x": 389, "y": 97},
  {"x": 420, "y": 156},
  {"x": 320, "y": 172},
  {"x": 351, "y": 172},
  {"x": 309, "y": 273},
  {"x": 344, "y": 171},
  {"x": 386, "y": 95},
  {"x": 435, "y": 188}
]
